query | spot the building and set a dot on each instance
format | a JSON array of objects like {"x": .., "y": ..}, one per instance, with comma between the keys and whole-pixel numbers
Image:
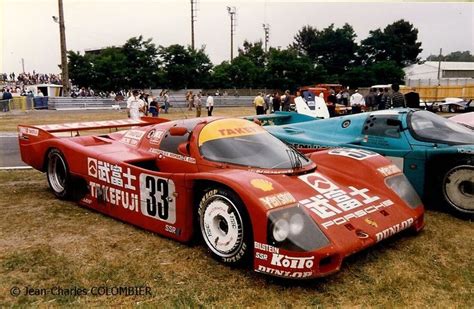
[{"x": 451, "y": 73}]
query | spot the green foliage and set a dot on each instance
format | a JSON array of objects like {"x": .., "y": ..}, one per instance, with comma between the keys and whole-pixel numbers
[
  {"x": 383, "y": 72},
  {"x": 330, "y": 55},
  {"x": 184, "y": 67},
  {"x": 457, "y": 56},
  {"x": 397, "y": 42},
  {"x": 334, "y": 49}
]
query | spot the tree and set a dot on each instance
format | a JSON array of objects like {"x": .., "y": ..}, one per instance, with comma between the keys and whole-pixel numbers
[
  {"x": 134, "y": 65},
  {"x": 383, "y": 72},
  {"x": 332, "y": 48},
  {"x": 397, "y": 42},
  {"x": 255, "y": 52},
  {"x": 142, "y": 62},
  {"x": 457, "y": 56},
  {"x": 286, "y": 69},
  {"x": 184, "y": 67},
  {"x": 81, "y": 69}
]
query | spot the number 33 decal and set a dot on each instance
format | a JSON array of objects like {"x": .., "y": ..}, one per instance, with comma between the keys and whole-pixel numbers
[{"x": 157, "y": 200}]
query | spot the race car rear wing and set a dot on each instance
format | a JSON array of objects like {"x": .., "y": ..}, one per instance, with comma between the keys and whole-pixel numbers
[{"x": 84, "y": 126}]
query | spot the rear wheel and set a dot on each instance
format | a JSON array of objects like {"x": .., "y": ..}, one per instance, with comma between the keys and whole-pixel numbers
[
  {"x": 225, "y": 226},
  {"x": 57, "y": 172},
  {"x": 458, "y": 188}
]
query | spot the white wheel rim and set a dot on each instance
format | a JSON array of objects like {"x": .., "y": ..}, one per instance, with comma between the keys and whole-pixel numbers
[
  {"x": 57, "y": 173},
  {"x": 221, "y": 226},
  {"x": 458, "y": 187}
]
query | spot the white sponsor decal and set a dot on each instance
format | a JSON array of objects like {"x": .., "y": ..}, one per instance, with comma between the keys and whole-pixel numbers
[
  {"x": 389, "y": 170},
  {"x": 114, "y": 196},
  {"x": 111, "y": 174},
  {"x": 284, "y": 273},
  {"x": 292, "y": 262},
  {"x": 394, "y": 229},
  {"x": 173, "y": 155},
  {"x": 357, "y": 154},
  {"x": 132, "y": 137},
  {"x": 158, "y": 198},
  {"x": 155, "y": 136},
  {"x": 266, "y": 248},
  {"x": 333, "y": 200},
  {"x": 29, "y": 131},
  {"x": 277, "y": 200}
]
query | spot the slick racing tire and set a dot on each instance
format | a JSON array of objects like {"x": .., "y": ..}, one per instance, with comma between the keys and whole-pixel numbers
[
  {"x": 225, "y": 226},
  {"x": 57, "y": 173},
  {"x": 458, "y": 188}
]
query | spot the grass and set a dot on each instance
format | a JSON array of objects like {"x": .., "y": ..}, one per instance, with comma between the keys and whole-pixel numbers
[{"x": 45, "y": 243}]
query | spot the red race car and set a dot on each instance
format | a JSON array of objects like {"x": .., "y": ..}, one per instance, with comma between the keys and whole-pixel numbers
[{"x": 251, "y": 197}]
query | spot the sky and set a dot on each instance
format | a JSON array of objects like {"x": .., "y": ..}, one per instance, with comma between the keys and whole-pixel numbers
[{"x": 28, "y": 32}]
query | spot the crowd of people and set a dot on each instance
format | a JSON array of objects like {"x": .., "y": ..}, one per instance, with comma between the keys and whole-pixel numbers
[
  {"x": 24, "y": 79},
  {"x": 376, "y": 99}
]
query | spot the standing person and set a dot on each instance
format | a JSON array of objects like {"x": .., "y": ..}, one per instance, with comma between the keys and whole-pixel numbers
[
  {"x": 268, "y": 103},
  {"x": 7, "y": 96},
  {"x": 285, "y": 101},
  {"x": 259, "y": 103},
  {"x": 166, "y": 100},
  {"x": 135, "y": 106},
  {"x": 378, "y": 99},
  {"x": 197, "y": 104},
  {"x": 209, "y": 104},
  {"x": 189, "y": 100},
  {"x": 345, "y": 97},
  {"x": 398, "y": 99},
  {"x": 385, "y": 101},
  {"x": 154, "y": 109},
  {"x": 357, "y": 101},
  {"x": 276, "y": 102},
  {"x": 370, "y": 99}
]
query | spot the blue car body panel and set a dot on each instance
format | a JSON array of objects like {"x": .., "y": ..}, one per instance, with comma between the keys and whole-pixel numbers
[{"x": 368, "y": 131}]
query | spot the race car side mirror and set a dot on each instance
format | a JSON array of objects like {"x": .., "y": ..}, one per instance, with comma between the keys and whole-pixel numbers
[{"x": 178, "y": 131}]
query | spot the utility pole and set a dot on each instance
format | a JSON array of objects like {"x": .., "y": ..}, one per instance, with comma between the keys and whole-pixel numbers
[
  {"x": 266, "y": 28},
  {"x": 232, "y": 11},
  {"x": 193, "y": 19},
  {"x": 23, "y": 64},
  {"x": 62, "y": 34},
  {"x": 439, "y": 65}
]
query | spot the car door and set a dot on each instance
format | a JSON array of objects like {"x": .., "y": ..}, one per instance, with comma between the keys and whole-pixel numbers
[{"x": 383, "y": 133}]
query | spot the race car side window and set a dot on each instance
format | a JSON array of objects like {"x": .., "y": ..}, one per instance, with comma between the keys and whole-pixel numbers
[
  {"x": 379, "y": 125},
  {"x": 170, "y": 143}
]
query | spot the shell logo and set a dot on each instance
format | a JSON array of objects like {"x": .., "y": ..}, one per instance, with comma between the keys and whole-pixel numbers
[
  {"x": 371, "y": 222},
  {"x": 262, "y": 184}
]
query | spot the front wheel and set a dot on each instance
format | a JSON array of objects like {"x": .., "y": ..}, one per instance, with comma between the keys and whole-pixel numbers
[
  {"x": 225, "y": 226},
  {"x": 458, "y": 189}
]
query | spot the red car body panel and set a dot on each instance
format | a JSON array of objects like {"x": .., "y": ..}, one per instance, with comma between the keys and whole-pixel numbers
[{"x": 347, "y": 198}]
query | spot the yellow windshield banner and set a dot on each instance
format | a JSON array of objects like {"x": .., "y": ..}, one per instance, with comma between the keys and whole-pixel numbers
[{"x": 225, "y": 128}]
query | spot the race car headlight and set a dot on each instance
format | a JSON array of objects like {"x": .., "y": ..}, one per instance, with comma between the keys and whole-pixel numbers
[
  {"x": 281, "y": 230},
  {"x": 293, "y": 229},
  {"x": 402, "y": 187},
  {"x": 296, "y": 224}
]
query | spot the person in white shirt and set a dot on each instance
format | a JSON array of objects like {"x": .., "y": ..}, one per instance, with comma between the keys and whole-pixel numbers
[
  {"x": 209, "y": 104},
  {"x": 135, "y": 106},
  {"x": 357, "y": 101}
]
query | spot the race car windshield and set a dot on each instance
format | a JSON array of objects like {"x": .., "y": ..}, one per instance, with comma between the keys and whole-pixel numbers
[
  {"x": 427, "y": 126},
  {"x": 244, "y": 143}
]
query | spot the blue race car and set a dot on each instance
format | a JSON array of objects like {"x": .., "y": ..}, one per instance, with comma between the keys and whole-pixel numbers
[{"x": 436, "y": 154}]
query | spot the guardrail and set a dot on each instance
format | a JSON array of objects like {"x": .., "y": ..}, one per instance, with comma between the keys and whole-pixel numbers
[{"x": 69, "y": 103}]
